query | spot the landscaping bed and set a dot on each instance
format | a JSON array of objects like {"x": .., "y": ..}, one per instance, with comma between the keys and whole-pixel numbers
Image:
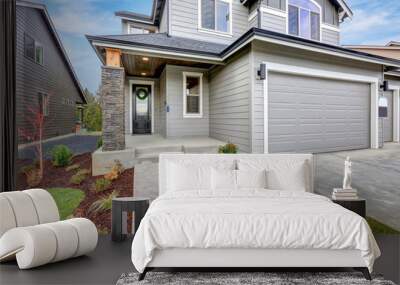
[{"x": 58, "y": 181}]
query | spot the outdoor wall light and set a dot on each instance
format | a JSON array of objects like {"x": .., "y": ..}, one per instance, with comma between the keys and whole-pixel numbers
[
  {"x": 262, "y": 72},
  {"x": 145, "y": 58},
  {"x": 385, "y": 85},
  {"x": 143, "y": 73}
]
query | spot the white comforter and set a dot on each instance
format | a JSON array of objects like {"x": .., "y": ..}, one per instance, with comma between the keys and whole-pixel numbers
[{"x": 250, "y": 219}]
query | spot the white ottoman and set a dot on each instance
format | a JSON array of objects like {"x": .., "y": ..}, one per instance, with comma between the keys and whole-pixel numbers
[{"x": 31, "y": 233}]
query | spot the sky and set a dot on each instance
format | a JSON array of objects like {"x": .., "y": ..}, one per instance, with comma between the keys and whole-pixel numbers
[{"x": 374, "y": 22}]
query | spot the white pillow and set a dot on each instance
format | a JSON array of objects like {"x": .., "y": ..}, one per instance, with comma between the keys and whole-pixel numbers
[
  {"x": 223, "y": 179},
  {"x": 183, "y": 178},
  {"x": 251, "y": 178},
  {"x": 288, "y": 176}
]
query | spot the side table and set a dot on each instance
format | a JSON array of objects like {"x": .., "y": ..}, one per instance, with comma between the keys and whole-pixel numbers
[
  {"x": 357, "y": 206},
  {"x": 126, "y": 204}
]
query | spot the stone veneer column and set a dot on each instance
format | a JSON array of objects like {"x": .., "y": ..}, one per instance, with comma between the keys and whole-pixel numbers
[{"x": 113, "y": 105}]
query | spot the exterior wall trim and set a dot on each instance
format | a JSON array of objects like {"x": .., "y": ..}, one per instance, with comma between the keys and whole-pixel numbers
[
  {"x": 290, "y": 69},
  {"x": 330, "y": 27},
  {"x": 200, "y": 76},
  {"x": 275, "y": 12},
  {"x": 151, "y": 83},
  {"x": 396, "y": 112}
]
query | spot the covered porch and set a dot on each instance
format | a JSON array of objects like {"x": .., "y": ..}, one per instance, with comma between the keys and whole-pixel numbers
[{"x": 155, "y": 97}]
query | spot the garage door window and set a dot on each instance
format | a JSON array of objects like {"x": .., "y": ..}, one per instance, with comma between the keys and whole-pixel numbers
[{"x": 304, "y": 19}]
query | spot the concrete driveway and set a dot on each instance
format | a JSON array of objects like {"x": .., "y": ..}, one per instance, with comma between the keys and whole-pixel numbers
[
  {"x": 376, "y": 176},
  {"x": 77, "y": 143}
]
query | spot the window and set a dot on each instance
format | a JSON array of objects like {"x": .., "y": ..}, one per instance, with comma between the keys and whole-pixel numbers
[
  {"x": 33, "y": 49},
  {"x": 44, "y": 104},
  {"x": 215, "y": 15},
  {"x": 304, "y": 19},
  {"x": 138, "y": 30},
  {"x": 192, "y": 95}
]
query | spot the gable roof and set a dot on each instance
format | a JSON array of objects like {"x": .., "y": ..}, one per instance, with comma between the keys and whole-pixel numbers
[
  {"x": 50, "y": 25},
  {"x": 153, "y": 19},
  {"x": 344, "y": 9},
  {"x": 165, "y": 44}
]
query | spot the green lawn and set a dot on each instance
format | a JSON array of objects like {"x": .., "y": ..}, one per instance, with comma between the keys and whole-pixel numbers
[
  {"x": 67, "y": 200},
  {"x": 379, "y": 228}
]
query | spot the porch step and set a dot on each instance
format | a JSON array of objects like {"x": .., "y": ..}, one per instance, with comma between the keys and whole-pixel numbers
[
  {"x": 201, "y": 149},
  {"x": 153, "y": 152}
]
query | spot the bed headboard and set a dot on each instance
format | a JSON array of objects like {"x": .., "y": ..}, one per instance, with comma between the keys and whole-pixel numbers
[{"x": 214, "y": 158}]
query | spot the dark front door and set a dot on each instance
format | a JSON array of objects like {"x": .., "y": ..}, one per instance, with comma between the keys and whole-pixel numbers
[{"x": 141, "y": 106}]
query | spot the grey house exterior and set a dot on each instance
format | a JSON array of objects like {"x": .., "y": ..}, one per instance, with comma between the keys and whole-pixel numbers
[
  {"x": 311, "y": 94},
  {"x": 45, "y": 79}
]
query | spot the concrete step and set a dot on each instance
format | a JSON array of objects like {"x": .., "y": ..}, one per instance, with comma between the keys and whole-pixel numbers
[
  {"x": 153, "y": 152},
  {"x": 201, "y": 149}
]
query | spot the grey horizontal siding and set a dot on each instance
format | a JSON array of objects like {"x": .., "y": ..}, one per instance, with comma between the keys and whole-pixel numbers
[
  {"x": 253, "y": 23},
  {"x": 330, "y": 37},
  {"x": 52, "y": 78},
  {"x": 177, "y": 125},
  {"x": 273, "y": 23},
  {"x": 184, "y": 21},
  {"x": 230, "y": 102},
  {"x": 278, "y": 54}
]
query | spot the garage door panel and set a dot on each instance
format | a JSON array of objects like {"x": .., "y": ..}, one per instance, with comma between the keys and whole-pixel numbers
[{"x": 317, "y": 115}]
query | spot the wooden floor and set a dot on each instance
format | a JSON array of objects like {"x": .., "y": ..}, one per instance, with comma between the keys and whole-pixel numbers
[{"x": 106, "y": 264}]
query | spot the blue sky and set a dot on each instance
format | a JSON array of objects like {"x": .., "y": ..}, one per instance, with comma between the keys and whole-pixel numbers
[{"x": 374, "y": 22}]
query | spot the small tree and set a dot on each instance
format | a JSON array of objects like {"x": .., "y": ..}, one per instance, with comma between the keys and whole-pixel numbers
[
  {"x": 92, "y": 117},
  {"x": 34, "y": 133}
]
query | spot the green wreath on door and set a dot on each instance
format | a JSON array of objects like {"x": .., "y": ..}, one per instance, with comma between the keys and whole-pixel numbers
[{"x": 142, "y": 93}]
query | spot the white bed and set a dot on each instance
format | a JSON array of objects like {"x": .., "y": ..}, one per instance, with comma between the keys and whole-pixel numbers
[{"x": 247, "y": 227}]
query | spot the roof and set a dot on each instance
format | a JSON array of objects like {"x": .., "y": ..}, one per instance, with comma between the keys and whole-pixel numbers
[
  {"x": 218, "y": 52},
  {"x": 393, "y": 43},
  {"x": 52, "y": 29},
  {"x": 163, "y": 41},
  {"x": 344, "y": 9},
  {"x": 153, "y": 19},
  {"x": 389, "y": 46}
]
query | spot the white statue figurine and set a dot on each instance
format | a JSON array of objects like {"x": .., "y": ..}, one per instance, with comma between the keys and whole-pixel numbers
[{"x": 347, "y": 174}]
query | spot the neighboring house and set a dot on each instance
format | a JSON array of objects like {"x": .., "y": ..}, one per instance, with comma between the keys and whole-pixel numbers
[
  {"x": 192, "y": 68},
  {"x": 45, "y": 79},
  {"x": 391, "y": 50}
]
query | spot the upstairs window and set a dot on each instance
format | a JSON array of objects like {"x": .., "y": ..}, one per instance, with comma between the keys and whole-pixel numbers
[
  {"x": 215, "y": 15},
  {"x": 304, "y": 19},
  {"x": 44, "y": 104},
  {"x": 192, "y": 95},
  {"x": 33, "y": 50}
]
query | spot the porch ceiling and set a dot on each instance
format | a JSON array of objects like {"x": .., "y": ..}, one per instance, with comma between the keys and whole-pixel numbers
[{"x": 146, "y": 66}]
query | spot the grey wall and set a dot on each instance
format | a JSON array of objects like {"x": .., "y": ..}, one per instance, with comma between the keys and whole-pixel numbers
[
  {"x": 177, "y": 125},
  {"x": 277, "y": 54},
  {"x": 184, "y": 21},
  {"x": 273, "y": 23},
  {"x": 163, "y": 99},
  {"x": 230, "y": 102},
  {"x": 52, "y": 78},
  {"x": 330, "y": 37}
]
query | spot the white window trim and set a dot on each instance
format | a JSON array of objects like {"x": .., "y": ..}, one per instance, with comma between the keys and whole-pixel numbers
[
  {"x": 215, "y": 32},
  {"x": 320, "y": 21},
  {"x": 319, "y": 73},
  {"x": 396, "y": 111},
  {"x": 330, "y": 27},
  {"x": 151, "y": 83},
  {"x": 200, "y": 76}
]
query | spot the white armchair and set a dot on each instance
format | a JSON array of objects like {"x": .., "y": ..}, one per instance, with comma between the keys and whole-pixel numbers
[{"x": 31, "y": 230}]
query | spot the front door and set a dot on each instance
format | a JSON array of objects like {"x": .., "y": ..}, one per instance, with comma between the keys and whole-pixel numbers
[{"x": 141, "y": 106}]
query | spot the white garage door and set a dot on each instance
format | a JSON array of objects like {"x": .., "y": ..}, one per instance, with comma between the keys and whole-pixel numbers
[{"x": 317, "y": 115}]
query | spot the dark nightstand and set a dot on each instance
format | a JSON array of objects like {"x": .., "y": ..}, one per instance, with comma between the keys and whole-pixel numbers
[
  {"x": 357, "y": 206},
  {"x": 126, "y": 204}
]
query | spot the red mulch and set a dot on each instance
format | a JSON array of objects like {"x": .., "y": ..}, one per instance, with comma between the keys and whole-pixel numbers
[{"x": 59, "y": 177}]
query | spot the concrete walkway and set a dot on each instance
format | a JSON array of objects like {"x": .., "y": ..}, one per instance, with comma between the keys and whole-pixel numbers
[{"x": 376, "y": 175}]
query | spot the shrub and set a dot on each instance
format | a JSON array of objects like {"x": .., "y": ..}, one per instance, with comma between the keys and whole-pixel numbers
[
  {"x": 72, "y": 167},
  {"x": 83, "y": 171},
  {"x": 103, "y": 204},
  {"x": 100, "y": 142},
  {"x": 61, "y": 155},
  {"x": 228, "y": 148},
  {"x": 102, "y": 184},
  {"x": 77, "y": 178},
  {"x": 116, "y": 170}
]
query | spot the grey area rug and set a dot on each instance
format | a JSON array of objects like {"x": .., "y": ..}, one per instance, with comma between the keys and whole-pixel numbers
[{"x": 269, "y": 278}]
